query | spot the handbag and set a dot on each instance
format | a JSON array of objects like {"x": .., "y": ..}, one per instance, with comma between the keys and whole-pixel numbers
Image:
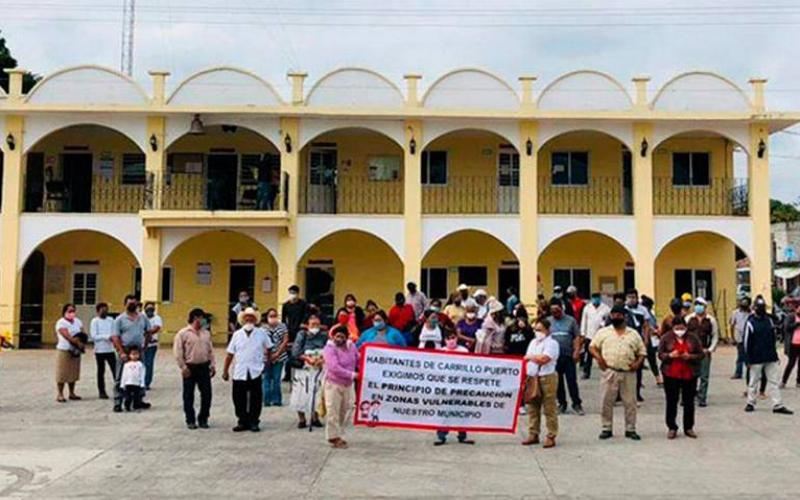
[{"x": 532, "y": 390}]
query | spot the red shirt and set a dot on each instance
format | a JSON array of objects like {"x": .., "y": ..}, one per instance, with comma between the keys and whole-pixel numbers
[
  {"x": 680, "y": 368},
  {"x": 577, "y": 308},
  {"x": 401, "y": 317}
]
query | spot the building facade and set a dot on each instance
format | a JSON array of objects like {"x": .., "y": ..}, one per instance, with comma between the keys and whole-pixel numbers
[
  {"x": 359, "y": 185},
  {"x": 786, "y": 252}
]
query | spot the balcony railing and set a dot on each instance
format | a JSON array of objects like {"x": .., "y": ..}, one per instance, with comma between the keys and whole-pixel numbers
[
  {"x": 470, "y": 195},
  {"x": 351, "y": 194},
  {"x": 601, "y": 196},
  {"x": 722, "y": 196},
  {"x": 196, "y": 192},
  {"x": 106, "y": 196}
]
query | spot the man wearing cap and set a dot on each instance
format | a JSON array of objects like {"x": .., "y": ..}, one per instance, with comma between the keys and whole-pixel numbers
[
  {"x": 576, "y": 302},
  {"x": 250, "y": 346},
  {"x": 620, "y": 352},
  {"x": 593, "y": 318},
  {"x": 416, "y": 299},
  {"x": 293, "y": 315},
  {"x": 564, "y": 330},
  {"x": 566, "y": 305},
  {"x": 705, "y": 327}
]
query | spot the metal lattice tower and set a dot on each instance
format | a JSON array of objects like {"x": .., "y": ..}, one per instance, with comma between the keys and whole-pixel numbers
[{"x": 128, "y": 25}]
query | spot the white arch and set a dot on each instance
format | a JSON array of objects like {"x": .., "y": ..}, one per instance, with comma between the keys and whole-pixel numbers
[
  {"x": 87, "y": 84},
  {"x": 621, "y": 229},
  {"x": 701, "y": 91},
  {"x": 434, "y": 129},
  {"x": 312, "y": 128},
  {"x": 313, "y": 228},
  {"x": 354, "y": 86},
  {"x": 585, "y": 90},
  {"x": 172, "y": 238},
  {"x": 471, "y": 88},
  {"x": 504, "y": 229},
  {"x": 736, "y": 132},
  {"x": 35, "y": 229},
  {"x": 267, "y": 127},
  {"x": 619, "y": 130},
  {"x": 739, "y": 230},
  {"x": 225, "y": 86},
  {"x": 39, "y": 126}
]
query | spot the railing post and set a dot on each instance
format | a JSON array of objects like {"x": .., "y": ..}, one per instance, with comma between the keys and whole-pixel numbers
[{"x": 528, "y": 146}]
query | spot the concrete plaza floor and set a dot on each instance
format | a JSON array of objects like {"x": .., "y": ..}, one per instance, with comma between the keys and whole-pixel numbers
[{"x": 82, "y": 449}]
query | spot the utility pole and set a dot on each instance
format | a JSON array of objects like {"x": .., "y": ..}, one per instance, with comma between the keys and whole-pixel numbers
[{"x": 128, "y": 26}]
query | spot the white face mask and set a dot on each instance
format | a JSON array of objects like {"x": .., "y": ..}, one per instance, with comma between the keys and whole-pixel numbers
[
  {"x": 292, "y": 296},
  {"x": 540, "y": 335},
  {"x": 470, "y": 315},
  {"x": 313, "y": 331},
  {"x": 248, "y": 327},
  {"x": 679, "y": 333}
]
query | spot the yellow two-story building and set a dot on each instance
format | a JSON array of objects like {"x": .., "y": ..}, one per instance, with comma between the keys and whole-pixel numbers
[{"x": 186, "y": 194}]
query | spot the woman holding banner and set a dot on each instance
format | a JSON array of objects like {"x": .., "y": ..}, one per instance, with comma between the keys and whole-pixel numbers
[{"x": 541, "y": 385}]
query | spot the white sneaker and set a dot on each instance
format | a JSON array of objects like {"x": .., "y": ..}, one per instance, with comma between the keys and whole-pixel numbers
[{"x": 522, "y": 410}]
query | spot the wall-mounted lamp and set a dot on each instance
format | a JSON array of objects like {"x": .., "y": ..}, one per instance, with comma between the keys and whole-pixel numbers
[
  {"x": 412, "y": 146},
  {"x": 643, "y": 150},
  {"x": 762, "y": 148},
  {"x": 529, "y": 147},
  {"x": 197, "y": 127},
  {"x": 287, "y": 141},
  {"x": 12, "y": 143},
  {"x": 154, "y": 142}
]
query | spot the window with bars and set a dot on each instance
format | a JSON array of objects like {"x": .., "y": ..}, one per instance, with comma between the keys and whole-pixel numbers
[
  {"x": 691, "y": 169},
  {"x": 84, "y": 288},
  {"x": 133, "y": 169},
  {"x": 508, "y": 167},
  {"x": 322, "y": 165},
  {"x": 569, "y": 168}
]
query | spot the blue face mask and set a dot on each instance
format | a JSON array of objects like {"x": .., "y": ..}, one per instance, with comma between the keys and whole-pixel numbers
[
  {"x": 699, "y": 309},
  {"x": 595, "y": 301},
  {"x": 380, "y": 325},
  {"x": 434, "y": 322}
]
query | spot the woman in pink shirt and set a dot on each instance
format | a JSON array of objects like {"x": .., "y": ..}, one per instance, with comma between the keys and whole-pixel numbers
[{"x": 341, "y": 359}]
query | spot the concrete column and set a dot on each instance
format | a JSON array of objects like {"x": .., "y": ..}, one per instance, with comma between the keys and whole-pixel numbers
[
  {"x": 290, "y": 166},
  {"x": 298, "y": 94},
  {"x": 528, "y": 103},
  {"x": 412, "y": 201},
  {"x": 759, "y": 103},
  {"x": 644, "y": 259},
  {"x": 758, "y": 172},
  {"x": 641, "y": 91},
  {"x": 159, "y": 85},
  {"x": 151, "y": 265},
  {"x": 412, "y": 86},
  {"x": 528, "y": 147},
  {"x": 13, "y": 185}
]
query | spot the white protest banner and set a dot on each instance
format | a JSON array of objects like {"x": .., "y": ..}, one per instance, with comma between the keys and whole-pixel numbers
[{"x": 425, "y": 389}]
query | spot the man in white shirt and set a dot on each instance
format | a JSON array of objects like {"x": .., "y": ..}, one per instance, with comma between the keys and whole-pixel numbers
[
  {"x": 542, "y": 357},
  {"x": 100, "y": 330},
  {"x": 482, "y": 301},
  {"x": 151, "y": 342},
  {"x": 250, "y": 346},
  {"x": 593, "y": 318}
]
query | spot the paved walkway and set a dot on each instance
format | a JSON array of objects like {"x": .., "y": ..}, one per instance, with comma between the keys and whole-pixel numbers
[{"x": 82, "y": 449}]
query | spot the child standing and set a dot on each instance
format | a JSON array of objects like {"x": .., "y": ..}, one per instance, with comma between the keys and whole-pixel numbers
[
  {"x": 132, "y": 380},
  {"x": 451, "y": 345}
]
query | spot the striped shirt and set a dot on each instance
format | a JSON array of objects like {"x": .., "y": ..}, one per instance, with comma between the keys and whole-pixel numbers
[{"x": 276, "y": 334}]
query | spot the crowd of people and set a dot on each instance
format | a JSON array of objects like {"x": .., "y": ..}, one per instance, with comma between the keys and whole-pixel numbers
[{"x": 559, "y": 339}]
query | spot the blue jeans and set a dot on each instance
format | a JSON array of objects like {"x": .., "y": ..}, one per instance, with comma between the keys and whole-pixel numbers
[
  {"x": 271, "y": 384},
  {"x": 739, "y": 360},
  {"x": 149, "y": 364}
]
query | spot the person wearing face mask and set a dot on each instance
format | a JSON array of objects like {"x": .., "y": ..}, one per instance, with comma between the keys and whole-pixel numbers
[
  {"x": 416, "y": 299},
  {"x": 519, "y": 334},
  {"x": 638, "y": 318},
  {"x": 430, "y": 331},
  {"x": 100, "y": 330},
  {"x": 401, "y": 317},
  {"x": 194, "y": 354},
  {"x": 341, "y": 360},
  {"x": 70, "y": 346},
  {"x": 791, "y": 345},
  {"x": 151, "y": 341},
  {"x": 454, "y": 309},
  {"x": 273, "y": 367},
  {"x": 351, "y": 316},
  {"x": 576, "y": 302},
  {"x": 512, "y": 301},
  {"x": 680, "y": 352},
  {"x": 542, "y": 355},
  {"x": 702, "y": 324},
  {"x": 564, "y": 329},
  {"x": 307, "y": 364},
  {"x": 492, "y": 337},
  {"x": 381, "y": 332},
  {"x": 370, "y": 308},
  {"x": 131, "y": 328},
  {"x": 566, "y": 305},
  {"x": 760, "y": 353},
  {"x": 619, "y": 352},
  {"x": 463, "y": 293},
  {"x": 451, "y": 345},
  {"x": 481, "y": 299},
  {"x": 244, "y": 302},
  {"x": 468, "y": 327},
  {"x": 249, "y": 346},
  {"x": 737, "y": 322},
  {"x": 593, "y": 317},
  {"x": 293, "y": 314}
]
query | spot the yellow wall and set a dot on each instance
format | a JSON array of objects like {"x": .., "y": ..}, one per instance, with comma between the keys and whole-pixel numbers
[
  {"x": 469, "y": 248},
  {"x": 115, "y": 279},
  {"x": 699, "y": 251},
  {"x": 584, "y": 250},
  {"x": 218, "y": 248},
  {"x": 363, "y": 265}
]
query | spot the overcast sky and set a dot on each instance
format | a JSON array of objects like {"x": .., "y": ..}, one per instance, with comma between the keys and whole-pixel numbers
[{"x": 736, "y": 38}]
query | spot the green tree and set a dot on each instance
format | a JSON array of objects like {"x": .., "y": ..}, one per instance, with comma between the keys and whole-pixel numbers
[
  {"x": 8, "y": 61},
  {"x": 783, "y": 212}
]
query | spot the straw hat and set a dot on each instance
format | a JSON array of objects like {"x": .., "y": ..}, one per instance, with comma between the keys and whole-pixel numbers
[{"x": 247, "y": 312}]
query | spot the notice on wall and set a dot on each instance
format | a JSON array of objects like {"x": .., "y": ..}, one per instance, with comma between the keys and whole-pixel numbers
[
  {"x": 203, "y": 276},
  {"x": 55, "y": 280},
  {"x": 425, "y": 389},
  {"x": 104, "y": 165}
]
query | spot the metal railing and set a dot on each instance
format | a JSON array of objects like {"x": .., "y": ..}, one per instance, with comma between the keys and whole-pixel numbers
[
  {"x": 352, "y": 194},
  {"x": 722, "y": 196},
  {"x": 196, "y": 192},
  {"x": 107, "y": 196},
  {"x": 470, "y": 195},
  {"x": 601, "y": 195}
]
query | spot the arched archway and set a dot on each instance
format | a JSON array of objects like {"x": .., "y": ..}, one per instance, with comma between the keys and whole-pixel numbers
[
  {"x": 82, "y": 267},
  {"x": 471, "y": 257},
  {"x": 350, "y": 261},
  {"x": 469, "y": 171},
  {"x": 351, "y": 170},
  {"x": 585, "y": 172},
  {"x": 591, "y": 261},
  {"x": 85, "y": 168},
  {"x": 209, "y": 270},
  {"x": 701, "y": 263}
]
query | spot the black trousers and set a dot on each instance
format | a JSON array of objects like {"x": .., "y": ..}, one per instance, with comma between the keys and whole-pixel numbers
[
  {"x": 565, "y": 366},
  {"x": 103, "y": 359},
  {"x": 200, "y": 377},
  {"x": 132, "y": 396},
  {"x": 794, "y": 359},
  {"x": 247, "y": 400},
  {"x": 586, "y": 359},
  {"x": 677, "y": 390}
]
